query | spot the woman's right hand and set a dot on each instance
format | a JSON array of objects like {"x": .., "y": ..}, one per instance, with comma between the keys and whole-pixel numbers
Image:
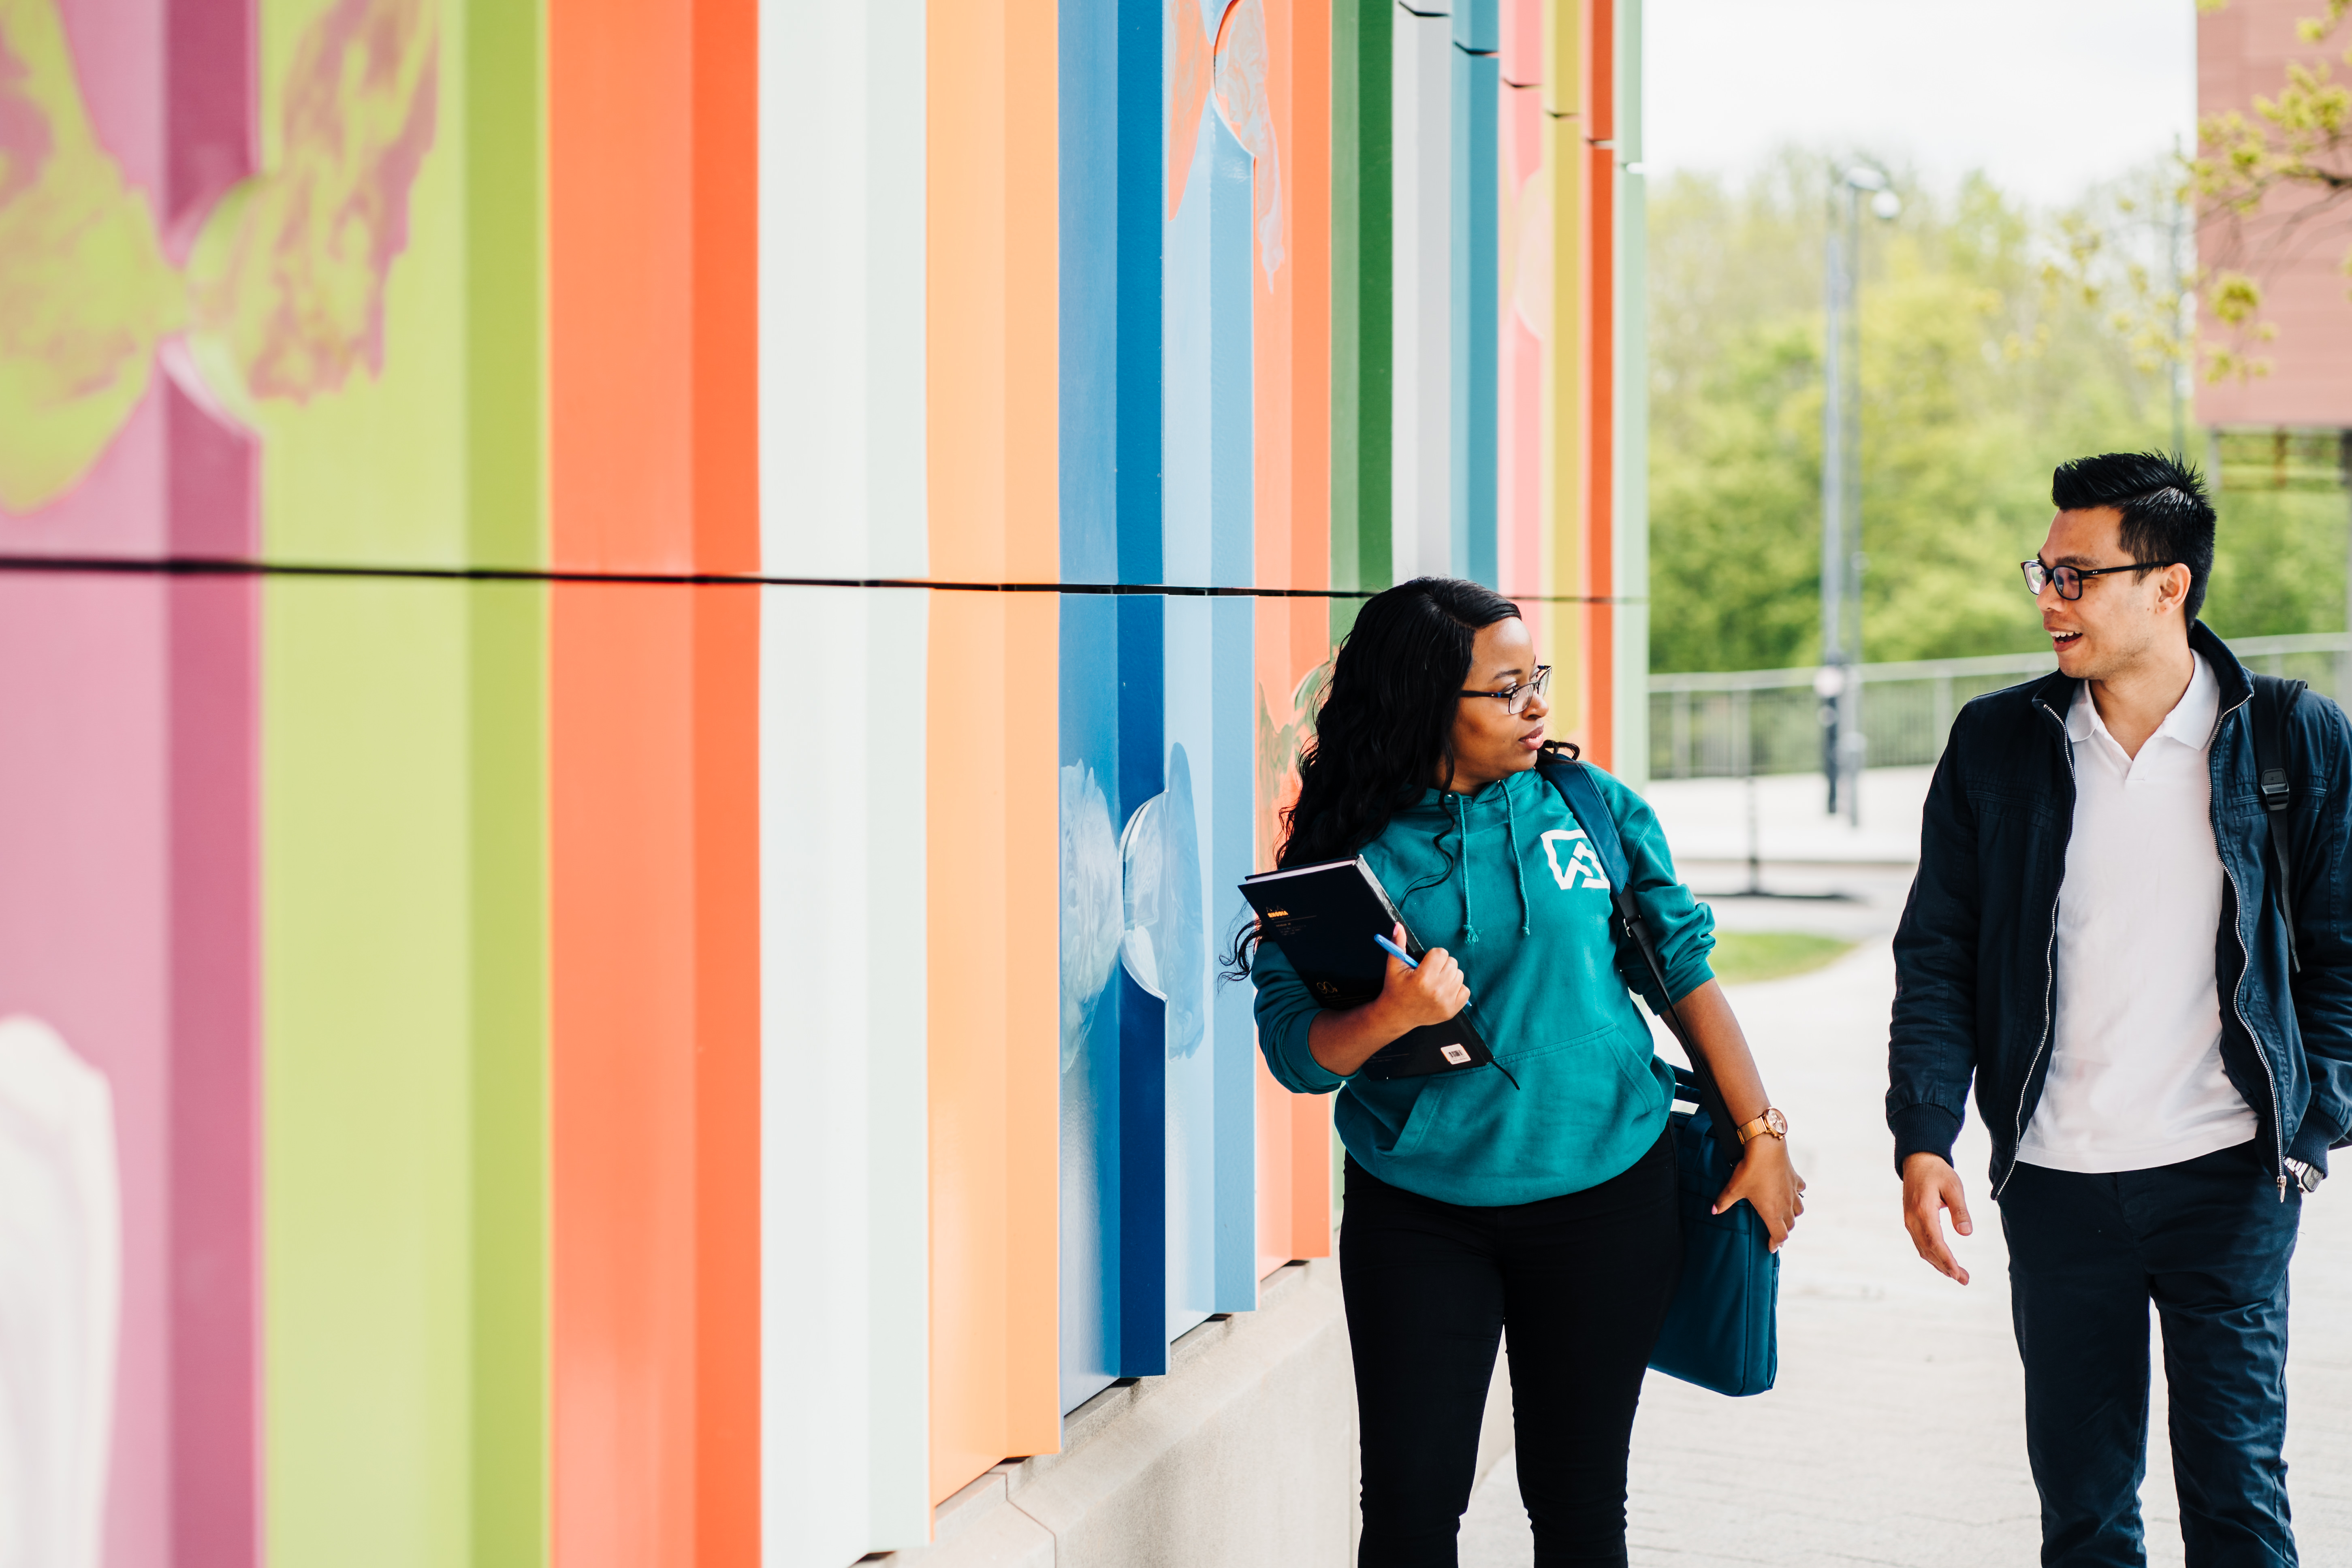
[
  {"x": 1429, "y": 995},
  {"x": 1345, "y": 1040}
]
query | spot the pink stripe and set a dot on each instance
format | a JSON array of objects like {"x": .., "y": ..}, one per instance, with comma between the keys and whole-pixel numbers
[
  {"x": 216, "y": 1419},
  {"x": 84, "y": 944},
  {"x": 128, "y": 919},
  {"x": 216, "y": 1371}
]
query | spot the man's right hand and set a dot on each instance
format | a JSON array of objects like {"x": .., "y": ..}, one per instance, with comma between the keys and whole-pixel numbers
[{"x": 1931, "y": 1186}]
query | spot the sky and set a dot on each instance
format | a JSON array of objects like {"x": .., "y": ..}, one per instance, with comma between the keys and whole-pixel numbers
[{"x": 2048, "y": 97}]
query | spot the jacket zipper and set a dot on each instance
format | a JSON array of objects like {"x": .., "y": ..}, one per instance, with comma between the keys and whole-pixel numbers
[
  {"x": 2237, "y": 992},
  {"x": 2049, "y": 983}
]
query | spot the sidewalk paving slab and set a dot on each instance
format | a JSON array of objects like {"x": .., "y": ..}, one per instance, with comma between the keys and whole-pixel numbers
[{"x": 1895, "y": 1434}]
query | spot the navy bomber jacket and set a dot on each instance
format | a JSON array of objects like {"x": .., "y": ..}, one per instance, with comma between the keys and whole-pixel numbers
[{"x": 1975, "y": 957}]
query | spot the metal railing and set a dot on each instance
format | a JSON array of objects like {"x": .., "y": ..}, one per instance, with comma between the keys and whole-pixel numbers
[{"x": 1733, "y": 723}]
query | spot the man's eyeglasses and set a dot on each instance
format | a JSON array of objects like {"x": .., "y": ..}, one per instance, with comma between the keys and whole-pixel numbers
[
  {"x": 1514, "y": 698},
  {"x": 2070, "y": 579}
]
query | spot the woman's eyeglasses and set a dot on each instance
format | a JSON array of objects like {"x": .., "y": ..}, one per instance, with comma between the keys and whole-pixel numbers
[
  {"x": 2070, "y": 579},
  {"x": 1514, "y": 698}
]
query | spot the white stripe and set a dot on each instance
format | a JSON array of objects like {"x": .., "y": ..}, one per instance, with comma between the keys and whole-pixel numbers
[{"x": 844, "y": 1218}]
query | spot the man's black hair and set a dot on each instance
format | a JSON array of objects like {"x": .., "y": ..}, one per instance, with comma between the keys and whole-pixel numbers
[{"x": 2166, "y": 515}]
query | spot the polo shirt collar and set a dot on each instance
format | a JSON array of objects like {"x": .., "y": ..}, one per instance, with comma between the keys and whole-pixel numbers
[{"x": 2190, "y": 722}]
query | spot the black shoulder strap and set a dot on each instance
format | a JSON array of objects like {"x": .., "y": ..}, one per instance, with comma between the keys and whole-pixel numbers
[
  {"x": 1628, "y": 929},
  {"x": 2273, "y": 704}
]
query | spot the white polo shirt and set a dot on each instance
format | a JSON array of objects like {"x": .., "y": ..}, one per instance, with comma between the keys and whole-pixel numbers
[{"x": 2136, "y": 1076}]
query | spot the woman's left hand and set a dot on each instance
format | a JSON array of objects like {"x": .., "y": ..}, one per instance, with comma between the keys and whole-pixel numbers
[{"x": 1766, "y": 1179}]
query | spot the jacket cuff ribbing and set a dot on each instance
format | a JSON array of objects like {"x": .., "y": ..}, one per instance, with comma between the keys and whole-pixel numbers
[
  {"x": 1923, "y": 1129},
  {"x": 2314, "y": 1137}
]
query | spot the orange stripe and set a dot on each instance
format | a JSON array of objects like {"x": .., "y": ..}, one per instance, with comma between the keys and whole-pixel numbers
[
  {"x": 725, "y": 263},
  {"x": 1307, "y": 185},
  {"x": 653, "y": 758},
  {"x": 1599, "y": 469},
  {"x": 622, "y": 848},
  {"x": 727, "y": 771},
  {"x": 726, "y": 1077},
  {"x": 1305, "y": 129},
  {"x": 620, "y": 283},
  {"x": 1274, "y": 1176},
  {"x": 1599, "y": 67},
  {"x": 991, "y": 362},
  {"x": 623, "y": 971},
  {"x": 1565, "y": 393},
  {"x": 1274, "y": 320},
  {"x": 1310, "y": 1176}
]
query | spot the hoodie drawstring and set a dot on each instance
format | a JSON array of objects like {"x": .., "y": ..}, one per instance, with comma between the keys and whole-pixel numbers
[
  {"x": 1469, "y": 914},
  {"x": 1462, "y": 866},
  {"x": 1511, "y": 833}
]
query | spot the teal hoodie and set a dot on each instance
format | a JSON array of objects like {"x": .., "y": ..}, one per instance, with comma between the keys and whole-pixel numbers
[{"x": 1504, "y": 881}]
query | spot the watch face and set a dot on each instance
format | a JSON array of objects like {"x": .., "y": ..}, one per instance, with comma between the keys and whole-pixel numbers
[{"x": 1776, "y": 1124}]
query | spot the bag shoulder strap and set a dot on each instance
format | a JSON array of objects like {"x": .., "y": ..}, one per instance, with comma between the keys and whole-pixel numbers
[
  {"x": 1583, "y": 797},
  {"x": 2274, "y": 703},
  {"x": 1629, "y": 928}
]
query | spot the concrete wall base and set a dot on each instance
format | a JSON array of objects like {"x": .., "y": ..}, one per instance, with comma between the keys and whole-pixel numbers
[{"x": 1243, "y": 1456}]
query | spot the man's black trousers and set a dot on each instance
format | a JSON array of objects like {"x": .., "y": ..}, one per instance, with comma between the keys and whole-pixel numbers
[
  {"x": 1583, "y": 1281},
  {"x": 2208, "y": 1240}
]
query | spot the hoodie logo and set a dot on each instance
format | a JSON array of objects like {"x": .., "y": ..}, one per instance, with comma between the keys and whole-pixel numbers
[{"x": 1584, "y": 867}]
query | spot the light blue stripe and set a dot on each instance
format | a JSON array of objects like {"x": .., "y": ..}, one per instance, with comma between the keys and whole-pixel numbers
[
  {"x": 1232, "y": 275},
  {"x": 1227, "y": 1201},
  {"x": 1232, "y": 852},
  {"x": 1089, "y": 691},
  {"x": 1477, "y": 325}
]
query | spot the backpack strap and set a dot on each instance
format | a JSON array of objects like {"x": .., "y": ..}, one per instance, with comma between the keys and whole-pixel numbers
[
  {"x": 2274, "y": 701},
  {"x": 1628, "y": 929}
]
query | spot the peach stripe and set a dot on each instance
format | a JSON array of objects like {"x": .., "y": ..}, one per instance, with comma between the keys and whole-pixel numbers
[
  {"x": 1294, "y": 550},
  {"x": 991, "y": 363}
]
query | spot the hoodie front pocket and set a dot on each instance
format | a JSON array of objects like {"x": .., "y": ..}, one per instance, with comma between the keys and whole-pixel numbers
[
  {"x": 1425, "y": 1107},
  {"x": 1582, "y": 1042},
  {"x": 1577, "y": 1092}
]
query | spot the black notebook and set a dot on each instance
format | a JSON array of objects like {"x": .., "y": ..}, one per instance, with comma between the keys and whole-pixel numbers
[{"x": 1324, "y": 918}]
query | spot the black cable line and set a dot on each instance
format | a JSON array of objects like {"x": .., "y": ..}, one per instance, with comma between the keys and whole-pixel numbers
[{"x": 227, "y": 567}]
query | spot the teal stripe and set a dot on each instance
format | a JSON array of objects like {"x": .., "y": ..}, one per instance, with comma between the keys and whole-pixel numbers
[{"x": 1362, "y": 264}]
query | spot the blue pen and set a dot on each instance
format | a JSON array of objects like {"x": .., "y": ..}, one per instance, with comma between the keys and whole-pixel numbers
[{"x": 1397, "y": 952}]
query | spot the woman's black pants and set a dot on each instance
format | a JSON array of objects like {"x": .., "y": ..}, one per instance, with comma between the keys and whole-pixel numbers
[{"x": 1583, "y": 1281}]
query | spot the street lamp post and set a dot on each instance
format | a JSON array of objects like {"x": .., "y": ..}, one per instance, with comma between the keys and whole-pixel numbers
[{"x": 1838, "y": 685}]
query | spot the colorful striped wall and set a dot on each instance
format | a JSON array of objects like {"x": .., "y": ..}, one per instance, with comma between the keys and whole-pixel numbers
[{"x": 641, "y": 643}]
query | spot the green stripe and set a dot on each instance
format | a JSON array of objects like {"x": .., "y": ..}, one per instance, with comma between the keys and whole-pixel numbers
[
  {"x": 366, "y": 1077},
  {"x": 404, "y": 870},
  {"x": 506, "y": 526}
]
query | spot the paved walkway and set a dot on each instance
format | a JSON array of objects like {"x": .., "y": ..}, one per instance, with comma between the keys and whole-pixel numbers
[
  {"x": 1709, "y": 818},
  {"x": 1895, "y": 1434}
]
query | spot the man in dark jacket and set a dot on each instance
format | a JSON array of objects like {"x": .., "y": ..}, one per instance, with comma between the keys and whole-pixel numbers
[{"x": 2096, "y": 938}]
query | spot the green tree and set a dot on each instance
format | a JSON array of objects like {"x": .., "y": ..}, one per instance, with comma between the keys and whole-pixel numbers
[
  {"x": 1996, "y": 345},
  {"x": 2278, "y": 564}
]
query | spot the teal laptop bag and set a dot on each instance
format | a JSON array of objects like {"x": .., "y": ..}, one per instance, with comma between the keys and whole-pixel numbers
[{"x": 1722, "y": 1330}]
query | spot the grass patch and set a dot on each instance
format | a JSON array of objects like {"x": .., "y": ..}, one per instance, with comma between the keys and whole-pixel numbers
[{"x": 1741, "y": 957}]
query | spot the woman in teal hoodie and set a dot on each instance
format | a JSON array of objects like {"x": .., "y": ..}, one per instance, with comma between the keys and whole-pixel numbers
[{"x": 1542, "y": 1196}]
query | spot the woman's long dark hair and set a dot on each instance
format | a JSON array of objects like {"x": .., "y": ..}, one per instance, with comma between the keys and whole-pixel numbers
[{"x": 1384, "y": 730}]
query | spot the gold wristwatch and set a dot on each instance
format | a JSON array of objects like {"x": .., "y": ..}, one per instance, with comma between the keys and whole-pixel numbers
[{"x": 1772, "y": 1121}]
